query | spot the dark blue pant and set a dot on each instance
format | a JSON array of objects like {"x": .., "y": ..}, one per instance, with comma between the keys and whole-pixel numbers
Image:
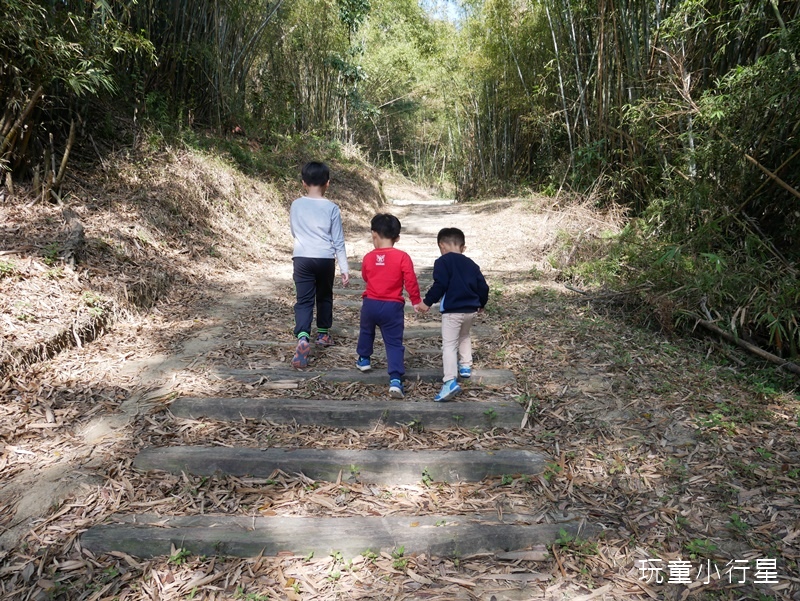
[
  {"x": 390, "y": 318},
  {"x": 313, "y": 281}
]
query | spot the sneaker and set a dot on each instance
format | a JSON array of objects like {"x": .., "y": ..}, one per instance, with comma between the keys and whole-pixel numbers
[
  {"x": 464, "y": 371},
  {"x": 396, "y": 389},
  {"x": 448, "y": 391},
  {"x": 301, "y": 353},
  {"x": 324, "y": 339},
  {"x": 364, "y": 364}
]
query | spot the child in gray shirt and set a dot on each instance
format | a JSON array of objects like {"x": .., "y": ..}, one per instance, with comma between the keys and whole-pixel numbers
[{"x": 316, "y": 225}]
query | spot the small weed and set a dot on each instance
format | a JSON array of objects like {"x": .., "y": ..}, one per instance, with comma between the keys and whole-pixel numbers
[
  {"x": 7, "y": 268},
  {"x": 50, "y": 253},
  {"x": 179, "y": 557},
  {"x": 22, "y": 311},
  {"x": 354, "y": 471},
  {"x": 337, "y": 556},
  {"x": 309, "y": 557},
  {"x": 681, "y": 522},
  {"x": 441, "y": 523},
  {"x": 716, "y": 420},
  {"x": 738, "y": 524},
  {"x": 400, "y": 562},
  {"x": 507, "y": 480},
  {"x": 490, "y": 414},
  {"x": 698, "y": 547},
  {"x": 551, "y": 471},
  {"x": 765, "y": 454},
  {"x": 458, "y": 418},
  {"x": 370, "y": 555},
  {"x": 334, "y": 576},
  {"x": 427, "y": 480},
  {"x": 415, "y": 425},
  {"x": 575, "y": 544},
  {"x": 240, "y": 594},
  {"x": 676, "y": 469}
]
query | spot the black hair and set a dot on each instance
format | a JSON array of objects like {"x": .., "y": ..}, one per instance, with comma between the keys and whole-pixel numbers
[
  {"x": 387, "y": 226},
  {"x": 316, "y": 174},
  {"x": 451, "y": 235}
]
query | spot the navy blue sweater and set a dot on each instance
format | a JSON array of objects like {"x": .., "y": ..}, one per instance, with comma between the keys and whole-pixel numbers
[{"x": 458, "y": 283}]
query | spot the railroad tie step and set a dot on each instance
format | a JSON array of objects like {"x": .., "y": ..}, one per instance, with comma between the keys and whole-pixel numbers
[
  {"x": 355, "y": 414},
  {"x": 351, "y": 302},
  {"x": 489, "y": 378},
  {"x": 147, "y": 535},
  {"x": 379, "y": 466}
]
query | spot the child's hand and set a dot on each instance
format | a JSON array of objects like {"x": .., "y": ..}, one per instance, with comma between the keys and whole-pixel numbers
[
  {"x": 421, "y": 308},
  {"x": 345, "y": 279}
]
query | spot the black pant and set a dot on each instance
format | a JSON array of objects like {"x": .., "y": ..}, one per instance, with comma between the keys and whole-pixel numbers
[{"x": 313, "y": 281}]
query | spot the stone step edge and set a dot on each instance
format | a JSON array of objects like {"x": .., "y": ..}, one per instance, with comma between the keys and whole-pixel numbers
[
  {"x": 411, "y": 333},
  {"x": 490, "y": 378},
  {"x": 148, "y": 535},
  {"x": 355, "y": 414},
  {"x": 372, "y": 466}
]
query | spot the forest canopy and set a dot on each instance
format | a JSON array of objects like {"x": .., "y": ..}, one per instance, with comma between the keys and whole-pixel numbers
[{"x": 683, "y": 112}]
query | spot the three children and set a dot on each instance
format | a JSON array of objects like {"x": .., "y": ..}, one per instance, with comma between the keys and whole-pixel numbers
[{"x": 458, "y": 286}]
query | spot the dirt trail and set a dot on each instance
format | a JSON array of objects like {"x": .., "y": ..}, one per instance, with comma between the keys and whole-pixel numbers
[{"x": 677, "y": 457}]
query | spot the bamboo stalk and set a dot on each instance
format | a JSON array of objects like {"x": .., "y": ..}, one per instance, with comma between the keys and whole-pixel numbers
[
  {"x": 63, "y": 167},
  {"x": 8, "y": 141},
  {"x": 787, "y": 365}
]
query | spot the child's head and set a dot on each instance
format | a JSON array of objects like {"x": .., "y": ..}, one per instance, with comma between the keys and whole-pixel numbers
[
  {"x": 386, "y": 227},
  {"x": 315, "y": 174},
  {"x": 451, "y": 240}
]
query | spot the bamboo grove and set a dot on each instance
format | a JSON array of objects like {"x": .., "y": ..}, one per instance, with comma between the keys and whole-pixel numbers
[{"x": 685, "y": 112}]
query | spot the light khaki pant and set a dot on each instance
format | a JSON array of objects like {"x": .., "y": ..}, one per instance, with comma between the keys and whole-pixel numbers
[{"x": 456, "y": 342}]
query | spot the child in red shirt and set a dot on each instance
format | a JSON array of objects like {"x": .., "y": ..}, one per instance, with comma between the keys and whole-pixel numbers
[{"x": 386, "y": 270}]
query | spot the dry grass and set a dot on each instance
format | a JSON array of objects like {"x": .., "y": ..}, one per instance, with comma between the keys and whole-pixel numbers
[{"x": 671, "y": 453}]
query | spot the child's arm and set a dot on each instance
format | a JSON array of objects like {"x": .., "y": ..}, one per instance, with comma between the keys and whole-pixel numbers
[
  {"x": 483, "y": 289},
  {"x": 337, "y": 237},
  {"x": 441, "y": 280},
  {"x": 410, "y": 281}
]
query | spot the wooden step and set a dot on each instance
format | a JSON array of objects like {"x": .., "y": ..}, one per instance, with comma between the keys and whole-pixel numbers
[
  {"x": 426, "y": 331},
  {"x": 491, "y": 378},
  {"x": 349, "y": 302},
  {"x": 150, "y": 535},
  {"x": 432, "y": 329},
  {"x": 359, "y": 415},
  {"x": 380, "y": 466}
]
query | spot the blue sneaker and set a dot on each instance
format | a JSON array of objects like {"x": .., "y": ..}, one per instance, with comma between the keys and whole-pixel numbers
[
  {"x": 464, "y": 371},
  {"x": 396, "y": 389},
  {"x": 448, "y": 391},
  {"x": 363, "y": 364}
]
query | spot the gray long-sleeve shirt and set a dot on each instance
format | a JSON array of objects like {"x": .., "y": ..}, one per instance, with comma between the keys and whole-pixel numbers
[{"x": 317, "y": 230}]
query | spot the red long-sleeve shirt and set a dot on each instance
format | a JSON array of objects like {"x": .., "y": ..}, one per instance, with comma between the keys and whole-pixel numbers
[{"x": 386, "y": 271}]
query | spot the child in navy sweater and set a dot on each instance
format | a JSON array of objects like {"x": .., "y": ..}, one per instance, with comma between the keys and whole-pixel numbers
[
  {"x": 386, "y": 270},
  {"x": 462, "y": 291}
]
